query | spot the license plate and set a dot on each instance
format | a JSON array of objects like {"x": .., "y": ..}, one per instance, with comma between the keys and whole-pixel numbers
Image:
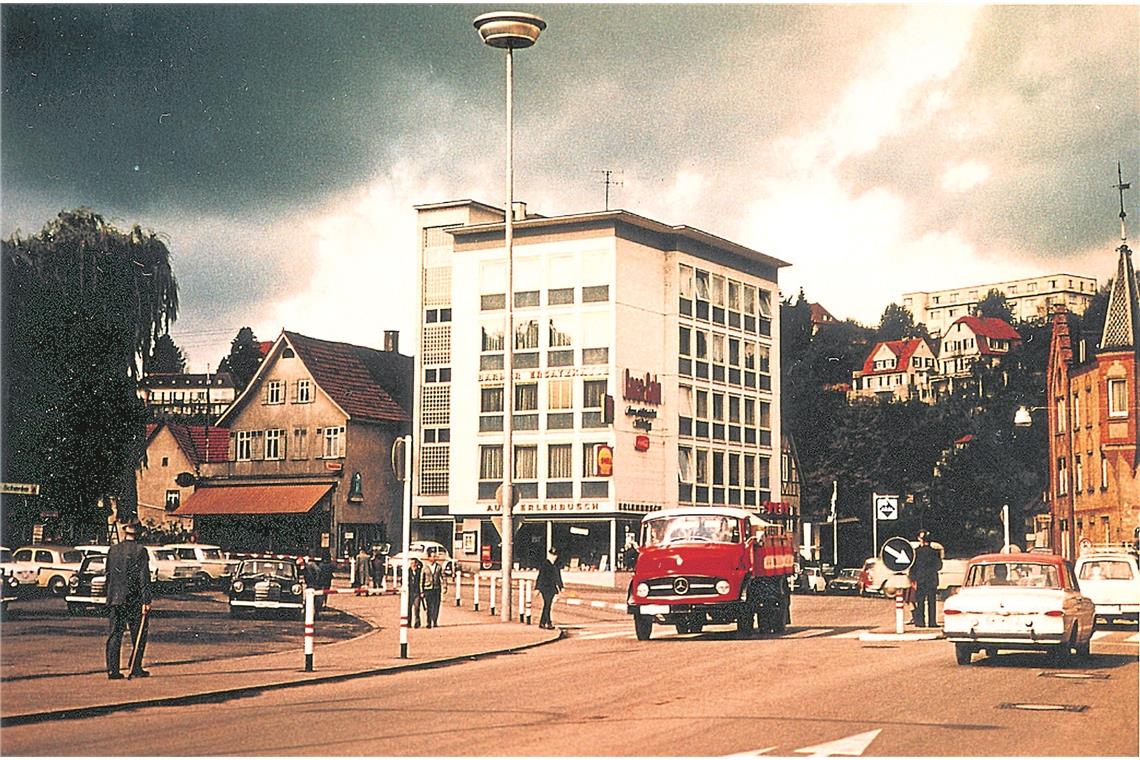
[
  {"x": 654, "y": 609},
  {"x": 1003, "y": 624}
]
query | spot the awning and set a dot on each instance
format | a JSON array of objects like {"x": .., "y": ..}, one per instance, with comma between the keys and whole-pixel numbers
[{"x": 253, "y": 500}]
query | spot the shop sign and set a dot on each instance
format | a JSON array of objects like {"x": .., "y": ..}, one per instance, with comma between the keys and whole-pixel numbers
[
  {"x": 605, "y": 461},
  {"x": 777, "y": 508},
  {"x": 559, "y": 506},
  {"x": 641, "y": 443},
  {"x": 644, "y": 390},
  {"x": 495, "y": 377}
]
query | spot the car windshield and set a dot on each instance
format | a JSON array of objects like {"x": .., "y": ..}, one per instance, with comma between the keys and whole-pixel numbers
[
  {"x": 73, "y": 557},
  {"x": 95, "y": 563},
  {"x": 705, "y": 528},
  {"x": 268, "y": 567},
  {"x": 1106, "y": 569},
  {"x": 212, "y": 554},
  {"x": 164, "y": 554},
  {"x": 1023, "y": 574}
]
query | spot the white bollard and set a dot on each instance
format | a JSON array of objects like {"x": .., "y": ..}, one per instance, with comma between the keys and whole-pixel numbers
[
  {"x": 522, "y": 600},
  {"x": 458, "y": 587},
  {"x": 475, "y": 592},
  {"x": 494, "y": 580},
  {"x": 898, "y": 611},
  {"x": 529, "y": 598},
  {"x": 310, "y": 615}
]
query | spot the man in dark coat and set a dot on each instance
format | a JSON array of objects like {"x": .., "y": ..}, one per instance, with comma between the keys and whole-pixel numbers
[
  {"x": 431, "y": 587},
  {"x": 548, "y": 583},
  {"x": 924, "y": 574},
  {"x": 128, "y": 599}
]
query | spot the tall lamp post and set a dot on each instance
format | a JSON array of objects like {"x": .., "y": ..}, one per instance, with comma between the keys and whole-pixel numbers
[
  {"x": 1023, "y": 418},
  {"x": 509, "y": 30}
]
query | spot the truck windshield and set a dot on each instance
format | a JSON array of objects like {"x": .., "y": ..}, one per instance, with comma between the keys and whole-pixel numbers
[{"x": 696, "y": 528}]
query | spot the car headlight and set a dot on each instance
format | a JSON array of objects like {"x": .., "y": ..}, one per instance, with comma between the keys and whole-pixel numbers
[
  {"x": 238, "y": 586},
  {"x": 642, "y": 589},
  {"x": 297, "y": 589},
  {"x": 722, "y": 587},
  {"x": 73, "y": 583}
]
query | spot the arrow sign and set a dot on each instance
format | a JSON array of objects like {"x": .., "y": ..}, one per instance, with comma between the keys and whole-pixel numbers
[
  {"x": 897, "y": 554},
  {"x": 887, "y": 506},
  {"x": 852, "y": 746}
]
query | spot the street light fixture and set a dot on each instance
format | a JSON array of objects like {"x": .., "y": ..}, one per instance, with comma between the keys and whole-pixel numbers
[
  {"x": 509, "y": 30},
  {"x": 1023, "y": 418}
]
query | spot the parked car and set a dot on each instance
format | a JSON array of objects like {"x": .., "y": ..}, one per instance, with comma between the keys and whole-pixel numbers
[
  {"x": 847, "y": 582},
  {"x": 419, "y": 550},
  {"x": 215, "y": 568},
  {"x": 951, "y": 575},
  {"x": 267, "y": 584},
  {"x": 53, "y": 565},
  {"x": 89, "y": 549},
  {"x": 1111, "y": 578},
  {"x": 167, "y": 571},
  {"x": 87, "y": 588},
  {"x": 1019, "y": 601},
  {"x": 810, "y": 579}
]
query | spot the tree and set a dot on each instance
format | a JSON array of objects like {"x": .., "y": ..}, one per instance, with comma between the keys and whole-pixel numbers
[
  {"x": 995, "y": 305},
  {"x": 244, "y": 358},
  {"x": 896, "y": 323},
  {"x": 84, "y": 304},
  {"x": 167, "y": 357}
]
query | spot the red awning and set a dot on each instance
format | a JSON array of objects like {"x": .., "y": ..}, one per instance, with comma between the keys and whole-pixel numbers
[{"x": 253, "y": 500}]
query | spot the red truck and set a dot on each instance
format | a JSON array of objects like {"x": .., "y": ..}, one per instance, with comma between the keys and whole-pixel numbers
[{"x": 700, "y": 565}]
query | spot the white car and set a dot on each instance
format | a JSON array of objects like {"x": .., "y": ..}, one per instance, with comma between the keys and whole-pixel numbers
[
  {"x": 419, "y": 550},
  {"x": 951, "y": 575},
  {"x": 215, "y": 568},
  {"x": 53, "y": 565},
  {"x": 168, "y": 570},
  {"x": 811, "y": 579},
  {"x": 1019, "y": 601},
  {"x": 14, "y": 577},
  {"x": 1112, "y": 580}
]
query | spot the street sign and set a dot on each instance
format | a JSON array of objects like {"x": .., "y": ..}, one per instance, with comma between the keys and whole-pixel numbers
[
  {"x": 897, "y": 554},
  {"x": 887, "y": 506},
  {"x": 26, "y": 489}
]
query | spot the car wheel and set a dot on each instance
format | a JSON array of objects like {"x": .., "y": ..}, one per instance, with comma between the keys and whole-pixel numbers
[
  {"x": 963, "y": 653},
  {"x": 643, "y": 627},
  {"x": 745, "y": 621},
  {"x": 57, "y": 586},
  {"x": 203, "y": 580}
]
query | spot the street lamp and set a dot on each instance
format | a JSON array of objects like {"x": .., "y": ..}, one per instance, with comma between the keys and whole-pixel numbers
[
  {"x": 1023, "y": 418},
  {"x": 509, "y": 30}
]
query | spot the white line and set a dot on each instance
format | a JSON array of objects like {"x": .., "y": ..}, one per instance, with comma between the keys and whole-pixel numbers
[
  {"x": 1100, "y": 634},
  {"x": 850, "y": 634},
  {"x": 598, "y": 604},
  {"x": 573, "y": 601},
  {"x": 753, "y": 753},
  {"x": 607, "y": 635},
  {"x": 808, "y": 633}
]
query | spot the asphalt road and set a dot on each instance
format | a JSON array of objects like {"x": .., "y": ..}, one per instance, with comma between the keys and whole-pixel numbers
[{"x": 818, "y": 689}]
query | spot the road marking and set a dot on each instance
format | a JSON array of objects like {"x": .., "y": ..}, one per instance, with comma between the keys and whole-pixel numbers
[
  {"x": 1100, "y": 634},
  {"x": 573, "y": 601},
  {"x": 851, "y": 746},
  {"x": 851, "y": 634},
  {"x": 610, "y": 635},
  {"x": 808, "y": 633},
  {"x": 753, "y": 753}
]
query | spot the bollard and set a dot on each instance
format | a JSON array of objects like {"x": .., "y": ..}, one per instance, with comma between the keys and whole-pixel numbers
[
  {"x": 898, "y": 611},
  {"x": 310, "y": 604},
  {"x": 494, "y": 579},
  {"x": 458, "y": 587},
  {"x": 522, "y": 600},
  {"x": 475, "y": 591},
  {"x": 529, "y": 598}
]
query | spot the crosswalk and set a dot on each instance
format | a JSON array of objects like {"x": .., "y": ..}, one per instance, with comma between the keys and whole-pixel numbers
[{"x": 624, "y": 630}]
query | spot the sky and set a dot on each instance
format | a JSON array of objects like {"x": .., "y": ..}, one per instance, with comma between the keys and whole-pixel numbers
[{"x": 280, "y": 150}]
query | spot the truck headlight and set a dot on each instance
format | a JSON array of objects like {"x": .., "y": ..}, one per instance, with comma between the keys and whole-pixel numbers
[
  {"x": 722, "y": 587},
  {"x": 297, "y": 589},
  {"x": 642, "y": 589},
  {"x": 238, "y": 586}
]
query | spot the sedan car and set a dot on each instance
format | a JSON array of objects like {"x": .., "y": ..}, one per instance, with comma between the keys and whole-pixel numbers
[
  {"x": 267, "y": 584},
  {"x": 420, "y": 551},
  {"x": 1111, "y": 578},
  {"x": 87, "y": 589},
  {"x": 167, "y": 571},
  {"x": 847, "y": 582},
  {"x": 53, "y": 565},
  {"x": 1019, "y": 601},
  {"x": 216, "y": 568}
]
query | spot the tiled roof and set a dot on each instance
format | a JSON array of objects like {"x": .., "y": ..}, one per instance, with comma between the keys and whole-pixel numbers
[
  {"x": 987, "y": 329},
  {"x": 355, "y": 376},
  {"x": 1122, "y": 320},
  {"x": 820, "y": 315},
  {"x": 200, "y": 443},
  {"x": 254, "y": 500},
  {"x": 903, "y": 351}
]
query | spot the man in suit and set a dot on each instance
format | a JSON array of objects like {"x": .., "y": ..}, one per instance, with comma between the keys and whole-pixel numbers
[
  {"x": 431, "y": 586},
  {"x": 128, "y": 600}
]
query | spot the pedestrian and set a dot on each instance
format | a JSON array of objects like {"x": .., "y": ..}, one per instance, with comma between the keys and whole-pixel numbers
[
  {"x": 415, "y": 599},
  {"x": 549, "y": 583},
  {"x": 363, "y": 567},
  {"x": 431, "y": 585},
  {"x": 924, "y": 575},
  {"x": 376, "y": 566},
  {"x": 128, "y": 601}
]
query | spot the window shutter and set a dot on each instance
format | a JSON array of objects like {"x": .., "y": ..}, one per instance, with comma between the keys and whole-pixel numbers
[
  {"x": 296, "y": 384},
  {"x": 231, "y": 453}
]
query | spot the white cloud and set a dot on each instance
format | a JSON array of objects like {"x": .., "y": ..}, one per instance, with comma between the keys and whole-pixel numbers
[{"x": 965, "y": 176}]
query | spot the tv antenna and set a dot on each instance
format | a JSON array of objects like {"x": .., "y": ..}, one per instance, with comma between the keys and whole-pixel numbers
[
  {"x": 1121, "y": 186},
  {"x": 608, "y": 181}
]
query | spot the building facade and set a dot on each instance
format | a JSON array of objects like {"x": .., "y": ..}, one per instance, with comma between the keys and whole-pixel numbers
[
  {"x": 187, "y": 394},
  {"x": 174, "y": 457},
  {"x": 896, "y": 370},
  {"x": 646, "y": 375},
  {"x": 1030, "y": 298},
  {"x": 308, "y": 459},
  {"x": 1093, "y": 494},
  {"x": 967, "y": 343}
]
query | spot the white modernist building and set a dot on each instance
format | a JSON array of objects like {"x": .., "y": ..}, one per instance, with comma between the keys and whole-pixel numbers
[{"x": 646, "y": 376}]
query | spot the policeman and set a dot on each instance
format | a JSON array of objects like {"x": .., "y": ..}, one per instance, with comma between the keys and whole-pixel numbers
[{"x": 128, "y": 601}]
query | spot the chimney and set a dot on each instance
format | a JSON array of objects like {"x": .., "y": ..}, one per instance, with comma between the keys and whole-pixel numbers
[
  {"x": 392, "y": 341},
  {"x": 518, "y": 211}
]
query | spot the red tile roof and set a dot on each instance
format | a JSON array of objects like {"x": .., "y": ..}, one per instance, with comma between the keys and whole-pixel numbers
[
  {"x": 903, "y": 351},
  {"x": 820, "y": 315},
  {"x": 253, "y": 500},
  {"x": 200, "y": 443},
  {"x": 352, "y": 376},
  {"x": 987, "y": 329}
]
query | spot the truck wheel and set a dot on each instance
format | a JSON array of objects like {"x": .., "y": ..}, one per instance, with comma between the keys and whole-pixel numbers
[
  {"x": 643, "y": 627},
  {"x": 963, "y": 653},
  {"x": 683, "y": 626},
  {"x": 744, "y": 622}
]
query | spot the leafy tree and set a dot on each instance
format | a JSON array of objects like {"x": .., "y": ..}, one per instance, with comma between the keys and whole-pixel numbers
[
  {"x": 167, "y": 357},
  {"x": 896, "y": 323},
  {"x": 84, "y": 303},
  {"x": 243, "y": 359},
  {"x": 995, "y": 305}
]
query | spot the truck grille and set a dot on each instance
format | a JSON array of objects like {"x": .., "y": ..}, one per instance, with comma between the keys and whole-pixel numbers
[
  {"x": 266, "y": 591},
  {"x": 99, "y": 586},
  {"x": 682, "y": 585}
]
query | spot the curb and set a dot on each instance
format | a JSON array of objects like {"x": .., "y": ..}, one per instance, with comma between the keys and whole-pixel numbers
[{"x": 221, "y": 695}]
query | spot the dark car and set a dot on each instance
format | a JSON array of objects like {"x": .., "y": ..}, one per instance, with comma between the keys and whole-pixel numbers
[
  {"x": 267, "y": 584},
  {"x": 847, "y": 582},
  {"x": 87, "y": 589}
]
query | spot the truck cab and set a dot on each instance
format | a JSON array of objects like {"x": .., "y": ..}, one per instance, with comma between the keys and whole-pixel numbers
[{"x": 720, "y": 565}]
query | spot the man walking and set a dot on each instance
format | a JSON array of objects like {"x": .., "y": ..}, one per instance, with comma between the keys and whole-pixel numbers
[
  {"x": 431, "y": 585},
  {"x": 128, "y": 601},
  {"x": 548, "y": 583},
  {"x": 924, "y": 574}
]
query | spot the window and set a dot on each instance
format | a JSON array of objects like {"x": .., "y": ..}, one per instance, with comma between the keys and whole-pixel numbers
[
  {"x": 560, "y": 462},
  {"x": 244, "y": 445},
  {"x": 1062, "y": 476},
  {"x": 702, "y": 281},
  {"x": 702, "y": 466},
  {"x": 333, "y": 443},
  {"x": 595, "y": 293},
  {"x": 173, "y": 499},
  {"x": 526, "y": 334},
  {"x": 275, "y": 392},
  {"x": 304, "y": 391},
  {"x": 685, "y": 410},
  {"x": 300, "y": 443},
  {"x": 1076, "y": 411},
  {"x": 274, "y": 444},
  {"x": 1117, "y": 398},
  {"x": 593, "y": 403},
  {"x": 491, "y": 463},
  {"x": 526, "y": 298},
  {"x": 526, "y": 462},
  {"x": 1062, "y": 417},
  {"x": 491, "y": 409},
  {"x": 1078, "y": 474},
  {"x": 526, "y": 397},
  {"x": 560, "y": 394},
  {"x": 684, "y": 464},
  {"x": 166, "y": 461},
  {"x": 1103, "y": 471},
  {"x": 560, "y": 296}
]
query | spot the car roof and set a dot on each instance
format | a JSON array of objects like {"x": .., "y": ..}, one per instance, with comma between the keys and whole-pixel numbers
[
  {"x": 56, "y": 547},
  {"x": 190, "y": 546},
  {"x": 702, "y": 512},
  {"x": 1020, "y": 557}
]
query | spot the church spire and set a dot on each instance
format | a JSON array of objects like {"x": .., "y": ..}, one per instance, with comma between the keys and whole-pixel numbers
[{"x": 1122, "y": 321}]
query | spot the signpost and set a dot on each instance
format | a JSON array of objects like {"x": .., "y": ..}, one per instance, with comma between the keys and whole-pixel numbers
[
  {"x": 898, "y": 556},
  {"x": 884, "y": 506}
]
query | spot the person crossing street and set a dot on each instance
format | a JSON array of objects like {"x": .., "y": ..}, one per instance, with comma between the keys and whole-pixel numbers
[
  {"x": 128, "y": 602},
  {"x": 548, "y": 583}
]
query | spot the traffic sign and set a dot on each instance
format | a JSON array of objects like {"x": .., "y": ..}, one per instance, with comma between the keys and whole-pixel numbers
[
  {"x": 897, "y": 554},
  {"x": 26, "y": 489},
  {"x": 887, "y": 506}
]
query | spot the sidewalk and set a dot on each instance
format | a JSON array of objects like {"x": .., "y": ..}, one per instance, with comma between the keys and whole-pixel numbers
[{"x": 462, "y": 634}]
